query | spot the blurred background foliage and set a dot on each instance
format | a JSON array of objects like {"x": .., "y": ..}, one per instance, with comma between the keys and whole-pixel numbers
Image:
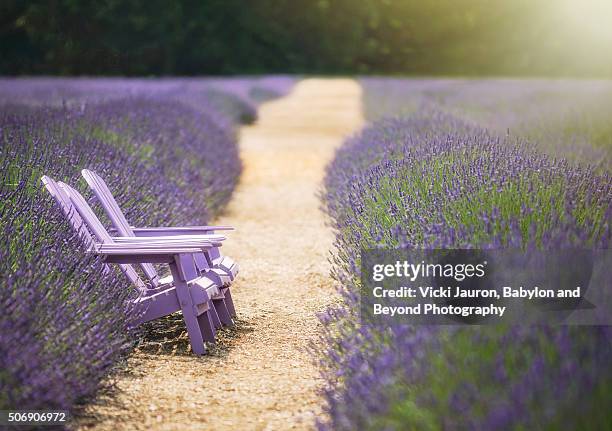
[{"x": 187, "y": 37}]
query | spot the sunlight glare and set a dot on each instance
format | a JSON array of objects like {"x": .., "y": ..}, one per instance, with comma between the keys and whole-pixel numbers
[{"x": 590, "y": 19}]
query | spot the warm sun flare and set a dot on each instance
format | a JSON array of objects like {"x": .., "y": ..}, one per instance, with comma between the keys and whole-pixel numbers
[{"x": 591, "y": 19}]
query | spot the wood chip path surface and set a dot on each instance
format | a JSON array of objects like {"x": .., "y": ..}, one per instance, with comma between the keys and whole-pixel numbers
[{"x": 259, "y": 376}]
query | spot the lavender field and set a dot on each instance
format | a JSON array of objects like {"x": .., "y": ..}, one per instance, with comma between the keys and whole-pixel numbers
[
  {"x": 375, "y": 215},
  {"x": 441, "y": 163},
  {"x": 169, "y": 146},
  {"x": 565, "y": 118},
  {"x": 469, "y": 164}
]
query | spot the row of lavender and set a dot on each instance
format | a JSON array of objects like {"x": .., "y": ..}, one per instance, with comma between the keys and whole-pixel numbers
[
  {"x": 428, "y": 179},
  {"x": 566, "y": 118},
  {"x": 167, "y": 148},
  {"x": 229, "y": 101}
]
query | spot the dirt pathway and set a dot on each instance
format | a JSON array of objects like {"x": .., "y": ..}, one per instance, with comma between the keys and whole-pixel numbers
[{"x": 261, "y": 377}]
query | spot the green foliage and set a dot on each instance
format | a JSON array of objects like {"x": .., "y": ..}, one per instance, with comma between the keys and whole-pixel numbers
[{"x": 138, "y": 37}]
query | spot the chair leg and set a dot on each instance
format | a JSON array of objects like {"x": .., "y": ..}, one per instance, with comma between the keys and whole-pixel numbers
[
  {"x": 187, "y": 306},
  {"x": 229, "y": 302},
  {"x": 214, "y": 316},
  {"x": 207, "y": 329},
  {"x": 223, "y": 312},
  {"x": 194, "y": 331}
]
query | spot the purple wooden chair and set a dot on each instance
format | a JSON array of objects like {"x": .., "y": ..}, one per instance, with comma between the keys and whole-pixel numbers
[
  {"x": 212, "y": 263},
  {"x": 189, "y": 292},
  {"x": 221, "y": 313}
]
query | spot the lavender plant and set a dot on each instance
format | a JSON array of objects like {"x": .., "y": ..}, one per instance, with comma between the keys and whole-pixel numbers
[
  {"x": 431, "y": 180},
  {"x": 169, "y": 154},
  {"x": 64, "y": 321}
]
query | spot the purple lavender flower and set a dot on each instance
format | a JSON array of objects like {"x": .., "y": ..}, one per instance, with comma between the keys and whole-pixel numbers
[{"x": 431, "y": 180}]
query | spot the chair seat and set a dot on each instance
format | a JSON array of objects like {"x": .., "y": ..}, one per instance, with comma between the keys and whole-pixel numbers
[
  {"x": 163, "y": 301},
  {"x": 220, "y": 277},
  {"x": 166, "y": 280},
  {"x": 207, "y": 284},
  {"x": 204, "y": 283},
  {"x": 228, "y": 265}
]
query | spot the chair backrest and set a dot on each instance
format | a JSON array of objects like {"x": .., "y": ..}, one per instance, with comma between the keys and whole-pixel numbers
[
  {"x": 116, "y": 216},
  {"x": 73, "y": 216},
  {"x": 87, "y": 214},
  {"x": 66, "y": 197},
  {"x": 110, "y": 205}
]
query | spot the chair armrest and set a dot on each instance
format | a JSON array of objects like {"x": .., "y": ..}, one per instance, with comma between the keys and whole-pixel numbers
[
  {"x": 143, "y": 252},
  {"x": 155, "y": 247},
  {"x": 169, "y": 243},
  {"x": 179, "y": 230},
  {"x": 169, "y": 239},
  {"x": 184, "y": 228}
]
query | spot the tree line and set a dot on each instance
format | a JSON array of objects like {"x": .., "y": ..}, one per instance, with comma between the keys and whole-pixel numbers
[{"x": 190, "y": 37}]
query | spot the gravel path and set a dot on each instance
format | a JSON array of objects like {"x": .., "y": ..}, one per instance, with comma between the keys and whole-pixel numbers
[{"x": 259, "y": 376}]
